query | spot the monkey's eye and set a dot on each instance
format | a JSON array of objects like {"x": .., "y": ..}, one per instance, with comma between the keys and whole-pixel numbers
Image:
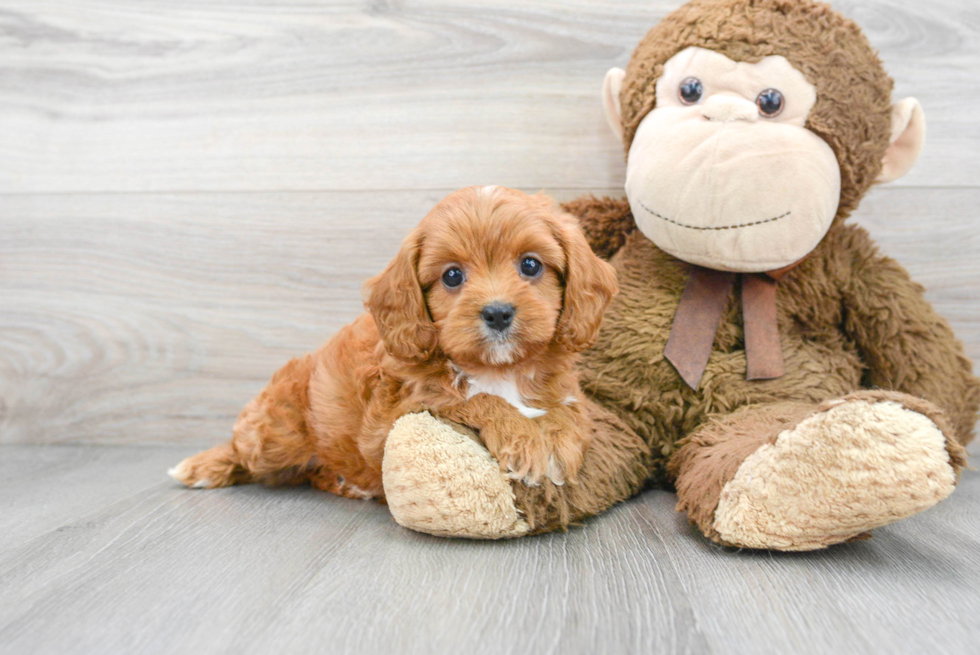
[
  {"x": 770, "y": 103},
  {"x": 530, "y": 267},
  {"x": 453, "y": 277},
  {"x": 690, "y": 91}
]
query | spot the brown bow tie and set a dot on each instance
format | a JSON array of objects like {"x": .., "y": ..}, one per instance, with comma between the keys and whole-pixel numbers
[{"x": 699, "y": 314}]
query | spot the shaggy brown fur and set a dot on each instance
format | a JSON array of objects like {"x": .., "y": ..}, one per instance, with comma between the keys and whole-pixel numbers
[
  {"x": 324, "y": 417},
  {"x": 850, "y": 319},
  {"x": 606, "y": 222}
]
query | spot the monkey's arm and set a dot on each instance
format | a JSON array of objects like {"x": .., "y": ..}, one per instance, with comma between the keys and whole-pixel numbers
[
  {"x": 606, "y": 222},
  {"x": 906, "y": 345}
]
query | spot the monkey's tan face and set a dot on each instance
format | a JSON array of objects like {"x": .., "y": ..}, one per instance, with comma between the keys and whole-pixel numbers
[{"x": 723, "y": 173}]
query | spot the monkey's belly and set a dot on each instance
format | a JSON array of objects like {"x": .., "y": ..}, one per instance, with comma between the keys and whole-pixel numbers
[
  {"x": 632, "y": 379},
  {"x": 626, "y": 371}
]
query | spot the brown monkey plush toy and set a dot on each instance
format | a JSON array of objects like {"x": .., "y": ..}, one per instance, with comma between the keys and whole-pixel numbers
[{"x": 762, "y": 358}]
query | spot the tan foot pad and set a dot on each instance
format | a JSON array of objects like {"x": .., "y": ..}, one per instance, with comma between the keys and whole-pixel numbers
[
  {"x": 442, "y": 482},
  {"x": 841, "y": 472}
]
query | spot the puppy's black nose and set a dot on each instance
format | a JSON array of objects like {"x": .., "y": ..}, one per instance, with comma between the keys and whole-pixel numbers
[{"x": 498, "y": 315}]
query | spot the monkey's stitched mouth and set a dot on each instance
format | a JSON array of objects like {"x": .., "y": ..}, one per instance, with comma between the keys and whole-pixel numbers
[{"x": 720, "y": 227}]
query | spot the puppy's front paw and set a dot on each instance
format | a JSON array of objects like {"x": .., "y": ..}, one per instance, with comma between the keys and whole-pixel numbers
[
  {"x": 567, "y": 445},
  {"x": 529, "y": 465},
  {"x": 521, "y": 449}
]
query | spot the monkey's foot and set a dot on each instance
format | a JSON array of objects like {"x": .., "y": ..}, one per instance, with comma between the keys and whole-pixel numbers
[
  {"x": 857, "y": 463},
  {"x": 441, "y": 481}
]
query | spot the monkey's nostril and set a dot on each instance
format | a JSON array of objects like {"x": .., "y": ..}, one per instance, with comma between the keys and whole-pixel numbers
[
  {"x": 498, "y": 316},
  {"x": 727, "y": 109}
]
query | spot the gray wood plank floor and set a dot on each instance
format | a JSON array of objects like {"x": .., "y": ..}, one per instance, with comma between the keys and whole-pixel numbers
[
  {"x": 192, "y": 192},
  {"x": 100, "y": 553}
]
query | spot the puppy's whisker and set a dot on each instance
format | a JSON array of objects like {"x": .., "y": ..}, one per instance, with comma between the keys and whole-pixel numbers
[
  {"x": 502, "y": 347},
  {"x": 501, "y": 353}
]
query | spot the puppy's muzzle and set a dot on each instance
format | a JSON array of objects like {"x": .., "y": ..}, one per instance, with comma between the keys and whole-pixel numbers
[{"x": 498, "y": 316}]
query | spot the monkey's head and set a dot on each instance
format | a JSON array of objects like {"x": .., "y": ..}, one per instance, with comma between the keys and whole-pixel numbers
[{"x": 752, "y": 127}]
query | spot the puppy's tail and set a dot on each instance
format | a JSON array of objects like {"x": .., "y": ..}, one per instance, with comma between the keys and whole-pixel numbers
[{"x": 217, "y": 467}]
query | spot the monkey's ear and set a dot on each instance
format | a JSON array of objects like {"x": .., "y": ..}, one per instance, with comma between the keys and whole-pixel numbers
[
  {"x": 397, "y": 304},
  {"x": 908, "y": 136},
  {"x": 610, "y": 99}
]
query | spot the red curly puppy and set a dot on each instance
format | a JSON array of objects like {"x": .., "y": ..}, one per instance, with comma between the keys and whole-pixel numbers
[{"x": 477, "y": 320}]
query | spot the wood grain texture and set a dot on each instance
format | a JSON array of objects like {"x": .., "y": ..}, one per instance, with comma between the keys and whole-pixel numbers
[
  {"x": 144, "y": 318},
  {"x": 231, "y": 95},
  {"x": 159, "y": 259},
  {"x": 152, "y": 568}
]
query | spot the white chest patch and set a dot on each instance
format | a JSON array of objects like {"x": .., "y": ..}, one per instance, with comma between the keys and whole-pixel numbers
[{"x": 504, "y": 386}]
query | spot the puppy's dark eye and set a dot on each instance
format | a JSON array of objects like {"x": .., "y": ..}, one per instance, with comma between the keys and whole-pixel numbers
[
  {"x": 770, "y": 102},
  {"x": 453, "y": 277},
  {"x": 690, "y": 91},
  {"x": 530, "y": 267}
]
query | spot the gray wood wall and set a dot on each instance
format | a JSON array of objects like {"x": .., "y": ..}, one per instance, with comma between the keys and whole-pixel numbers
[{"x": 192, "y": 191}]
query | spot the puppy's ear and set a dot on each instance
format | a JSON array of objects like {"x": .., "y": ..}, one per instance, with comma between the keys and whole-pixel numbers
[
  {"x": 590, "y": 284},
  {"x": 397, "y": 304}
]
